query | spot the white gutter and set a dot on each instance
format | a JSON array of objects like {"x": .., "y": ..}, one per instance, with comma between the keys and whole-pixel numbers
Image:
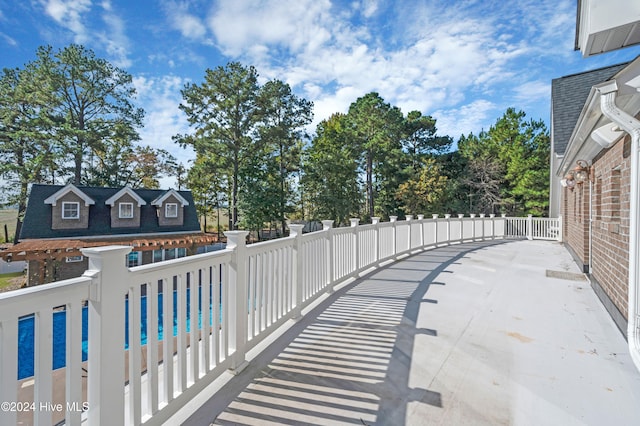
[
  {"x": 629, "y": 124},
  {"x": 590, "y": 226}
]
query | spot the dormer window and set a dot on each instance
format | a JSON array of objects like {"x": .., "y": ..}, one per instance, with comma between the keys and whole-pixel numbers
[
  {"x": 70, "y": 210},
  {"x": 171, "y": 210},
  {"x": 125, "y": 210}
]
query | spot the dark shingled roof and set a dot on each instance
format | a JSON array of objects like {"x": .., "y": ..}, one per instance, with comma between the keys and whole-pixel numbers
[
  {"x": 568, "y": 96},
  {"x": 37, "y": 219}
]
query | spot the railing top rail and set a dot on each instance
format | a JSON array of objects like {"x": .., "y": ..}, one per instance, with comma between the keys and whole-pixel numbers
[
  {"x": 28, "y": 300},
  {"x": 315, "y": 235},
  {"x": 183, "y": 262},
  {"x": 264, "y": 246},
  {"x": 343, "y": 230}
]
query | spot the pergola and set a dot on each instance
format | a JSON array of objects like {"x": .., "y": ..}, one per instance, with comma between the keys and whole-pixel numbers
[{"x": 44, "y": 251}]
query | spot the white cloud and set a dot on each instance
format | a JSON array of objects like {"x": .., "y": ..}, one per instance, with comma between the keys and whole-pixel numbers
[
  {"x": 532, "y": 91},
  {"x": 288, "y": 24},
  {"x": 114, "y": 40},
  {"x": 188, "y": 24},
  {"x": 368, "y": 7},
  {"x": 442, "y": 56},
  {"x": 68, "y": 14},
  {"x": 75, "y": 15},
  {"x": 160, "y": 98},
  {"x": 9, "y": 40},
  {"x": 470, "y": 118}
]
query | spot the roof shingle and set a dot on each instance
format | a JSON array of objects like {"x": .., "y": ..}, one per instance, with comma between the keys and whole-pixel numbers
[
  {"x": 568, "y": 96},
  {"x": 37, "y": 220}
]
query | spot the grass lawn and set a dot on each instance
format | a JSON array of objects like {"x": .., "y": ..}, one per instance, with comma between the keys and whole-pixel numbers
[
  {"x": 8, "y": 217},
  {"x": 5, "y": 279}
]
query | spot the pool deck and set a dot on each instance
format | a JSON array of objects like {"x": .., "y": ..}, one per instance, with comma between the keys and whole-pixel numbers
[{"x": 491, "y": 333}]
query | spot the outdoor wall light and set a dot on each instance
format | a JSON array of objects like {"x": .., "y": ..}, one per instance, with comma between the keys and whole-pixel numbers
[
  {"x": 582, "y": 171},
  {"x": 580, "y": 174},
  {"x": 571, "y": 184}
]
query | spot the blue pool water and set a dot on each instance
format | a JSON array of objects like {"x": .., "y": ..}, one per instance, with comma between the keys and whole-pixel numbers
[{"x": 26, "y": 333}]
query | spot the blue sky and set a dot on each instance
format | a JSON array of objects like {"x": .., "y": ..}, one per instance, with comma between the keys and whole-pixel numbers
[{"x": 463, "y": 62}]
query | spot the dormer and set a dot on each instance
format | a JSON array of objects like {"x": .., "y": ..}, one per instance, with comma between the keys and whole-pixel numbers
[
  {"x": 125, "y": 208},
  {"x": 170, "y": 208},
  {"x": 69, "y": 208}
]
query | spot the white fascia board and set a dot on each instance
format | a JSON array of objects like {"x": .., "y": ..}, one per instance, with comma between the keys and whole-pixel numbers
[
  {"x": 126, "y": 190},
  {"x": 158, "y": 201},
  {"x": 53, "y": 199}
]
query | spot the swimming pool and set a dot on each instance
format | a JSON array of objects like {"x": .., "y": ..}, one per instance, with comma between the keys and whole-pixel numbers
[{"x": 26, "y": 339}]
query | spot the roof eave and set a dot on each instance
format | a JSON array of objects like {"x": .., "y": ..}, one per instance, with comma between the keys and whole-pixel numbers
[
  {"x": 126, "y": 190},
  {"x": 581, "y": 145},
  {"x": 53, "y": 199}
]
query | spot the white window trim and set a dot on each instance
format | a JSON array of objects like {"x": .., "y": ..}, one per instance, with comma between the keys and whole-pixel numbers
[
  {"x": 166, "y": 210},
  {"x": 122, "y": 216},
  {"x": 73, "y": 259},
  {"x": 65, "y": 203}
]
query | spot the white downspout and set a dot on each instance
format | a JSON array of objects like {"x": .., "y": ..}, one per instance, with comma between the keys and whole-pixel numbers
[
  {"x": 632, "y": 126},
  {"x": 590, "y": 226}
]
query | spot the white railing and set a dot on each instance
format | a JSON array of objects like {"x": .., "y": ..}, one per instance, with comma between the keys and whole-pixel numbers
[
  {"x": 40, "y": 303},
  {"x": 534, "y": 228},
  {"x": 188, "y": 320}
]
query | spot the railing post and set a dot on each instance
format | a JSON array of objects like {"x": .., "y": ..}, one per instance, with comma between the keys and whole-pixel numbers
[
  {"x": 560, "y": 237},
  {"x": 375, "y": 221},
  {"x": 356, "y": 246},
  {"x": 326, "y": 227},
  {"x": 447, "y": 216},
  {"x": 393, "y": 220},
  {"x": 529, "y": 227},
  {"x": 295, "y": 231},
  {"x": 461, "y": 216},
  {"x": 409, "y": 218},
  {"x": 505, "y": 232},
  {"x": 106, "y": 378},
  {"x": 435, "y": 229},
  {"x": 473, "y": 226},
  {"x": 421, "y": 219},
  {"x": 482, "y": 216},
  {"x": 238, "y": 299},
  {"x": 493, "y": 226}
]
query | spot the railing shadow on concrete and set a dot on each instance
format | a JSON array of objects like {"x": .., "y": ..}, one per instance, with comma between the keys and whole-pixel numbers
[
  {"x": 224, "y": 304},
  {"x": 349, "y": 360}
]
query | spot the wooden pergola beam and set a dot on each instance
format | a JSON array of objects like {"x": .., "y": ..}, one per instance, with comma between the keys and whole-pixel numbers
[{"x": 60, "y": 249}]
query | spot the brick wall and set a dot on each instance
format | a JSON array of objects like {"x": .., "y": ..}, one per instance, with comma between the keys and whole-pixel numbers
[
  {"x": 575, "y": 206},
  {"x": 609, "y": 212},
  {"x": 610, "y": 233}
]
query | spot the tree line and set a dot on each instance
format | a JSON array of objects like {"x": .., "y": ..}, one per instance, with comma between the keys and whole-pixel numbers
[
  {"x": 69, "y": 117},
  {"x": 253, "y": 155}
]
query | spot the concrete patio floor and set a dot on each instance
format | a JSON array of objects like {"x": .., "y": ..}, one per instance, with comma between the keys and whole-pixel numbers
[{"x": 504, "y": 332}]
